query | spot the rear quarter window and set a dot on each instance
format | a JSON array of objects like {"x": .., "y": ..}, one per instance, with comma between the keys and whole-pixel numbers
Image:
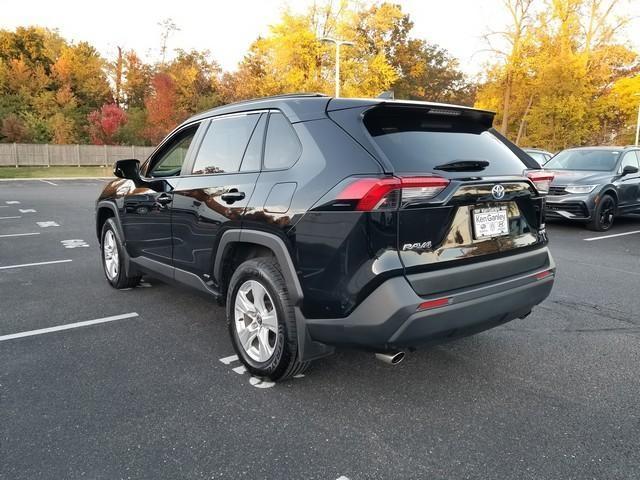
[
  {"x": 282, "y": 147},
  {"x": 416, "y": 141}
]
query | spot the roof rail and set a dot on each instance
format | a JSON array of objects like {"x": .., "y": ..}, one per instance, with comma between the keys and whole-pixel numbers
[
  {"x": 294, "y": 94},
  {"x": 275, "y": 97}
]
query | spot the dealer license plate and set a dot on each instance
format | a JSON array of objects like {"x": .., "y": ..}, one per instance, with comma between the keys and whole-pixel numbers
[{"x": 490, "y": 222}]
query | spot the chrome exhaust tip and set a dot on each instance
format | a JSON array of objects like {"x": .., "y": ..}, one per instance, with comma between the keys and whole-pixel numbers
[{"x": 392, "y": 358}]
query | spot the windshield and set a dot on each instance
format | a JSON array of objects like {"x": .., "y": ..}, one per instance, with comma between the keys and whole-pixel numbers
[
  {"x": 415, "y": 141},
  {"x": 538, "y": 157},
  {"x": 600, "y": 160}
]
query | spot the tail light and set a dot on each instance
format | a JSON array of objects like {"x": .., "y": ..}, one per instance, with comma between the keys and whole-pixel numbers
[
  {"x": 541, "y": 179},
  {"x": 390, "y": 193}
]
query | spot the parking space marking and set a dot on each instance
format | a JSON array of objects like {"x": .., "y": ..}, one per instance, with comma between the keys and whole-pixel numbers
[
  {"x": 7, "y": 218},
  {"x": 611, "y": 236},
  {"x": 50, "y": 183},
  {"x": 19, "y": 234},
  {"x": 260, "y": 383},
  {"x": 68, "y": 326},
  {"x": 228, "y": 360},
  {"x": 12, "y": 202},
  {"x": 27, "y": 210},
  {"x": 74, "y": 243},
  {"x": 241, "y": 370},
  {"x": 47, "y": 224},
  {"x": 5, "y": 267}
]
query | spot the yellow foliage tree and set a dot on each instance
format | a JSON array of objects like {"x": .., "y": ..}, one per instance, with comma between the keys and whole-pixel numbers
[{"x": 561, "y": 94}]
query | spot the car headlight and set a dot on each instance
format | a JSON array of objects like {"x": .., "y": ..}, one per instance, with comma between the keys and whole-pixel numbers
[{"x": 579, "y": 188}]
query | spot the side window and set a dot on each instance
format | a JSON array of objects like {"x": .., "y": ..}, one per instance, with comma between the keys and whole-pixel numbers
[
  {"x": 169, "y": 161},
  {"x": 224, "y": 144},
  {"x": 629, "y": 159},
  {"x": 253, "y": 154},
  {"x": 282, "y": 147}
]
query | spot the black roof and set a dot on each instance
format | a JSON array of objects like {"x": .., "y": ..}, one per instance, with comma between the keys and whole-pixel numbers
[{"x": 299, "y": 107}]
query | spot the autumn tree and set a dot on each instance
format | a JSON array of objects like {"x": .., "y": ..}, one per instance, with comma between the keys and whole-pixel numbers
[
  {"x": 562, "y": 80},
  {"x": 105, "y": 122},
  {"x": 137, "y": 80},
  {"x": 162, "y": 108},
  {"x": 196, "y": 79}
]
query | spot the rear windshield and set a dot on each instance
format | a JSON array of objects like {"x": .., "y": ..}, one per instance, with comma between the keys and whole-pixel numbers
[
  {"x": 599, "y": 160},
  {"x": 416, "y": 141}
]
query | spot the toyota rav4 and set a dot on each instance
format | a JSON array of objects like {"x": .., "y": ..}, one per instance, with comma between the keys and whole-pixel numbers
[{"x": 328, "y": 222}]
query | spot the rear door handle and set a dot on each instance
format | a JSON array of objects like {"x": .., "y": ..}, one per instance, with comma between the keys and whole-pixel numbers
[
  {"x": 232, "y": 196},
  {"x": 164, "y": 199}
]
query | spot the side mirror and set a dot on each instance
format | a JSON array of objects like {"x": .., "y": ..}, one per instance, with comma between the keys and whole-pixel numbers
[
  {"x": 129, "y": 169},
  {"x": 629, "y": 169}
]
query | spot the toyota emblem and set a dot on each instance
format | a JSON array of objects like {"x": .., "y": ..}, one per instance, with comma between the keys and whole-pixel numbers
[{"x": 498, "y": 192}]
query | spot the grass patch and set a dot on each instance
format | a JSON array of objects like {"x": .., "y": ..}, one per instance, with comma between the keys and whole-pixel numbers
[{"x": 55, "y": 172}]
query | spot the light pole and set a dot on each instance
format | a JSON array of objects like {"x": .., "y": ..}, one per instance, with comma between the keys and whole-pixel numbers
[
  {"x": 338, "y": 42},
  {"x": 638, "y": 120}
]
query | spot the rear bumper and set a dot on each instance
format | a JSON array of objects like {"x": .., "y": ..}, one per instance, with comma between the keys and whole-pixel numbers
[{"x": 390, "y": 317}]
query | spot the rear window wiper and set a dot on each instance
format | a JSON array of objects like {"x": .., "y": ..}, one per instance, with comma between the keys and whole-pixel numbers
[{"x": 463, "y": 166}]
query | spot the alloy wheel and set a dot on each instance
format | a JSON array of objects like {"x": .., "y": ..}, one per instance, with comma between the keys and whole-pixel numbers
[
  {"x": 606, "y": 213},
  {"x": 111, "y": 256},
  {"x": 256, "y": 321}
]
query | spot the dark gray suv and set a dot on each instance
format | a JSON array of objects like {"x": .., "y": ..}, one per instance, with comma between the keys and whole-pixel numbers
[{"x": 594, "y": 185}]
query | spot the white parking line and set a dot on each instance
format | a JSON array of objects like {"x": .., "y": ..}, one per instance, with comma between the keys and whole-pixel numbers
[
  {"x": 68, "y": 326},
  {"x": 50, "y": 183},
  {"x": 12, "y": 202},
  {"x": 228, "y": 360},
  {"x": 19, "y": 234},
  {"x": 7, "y": 218},
  {"x": 611, "y": 236},
  {"x": 34, "y": 264}
]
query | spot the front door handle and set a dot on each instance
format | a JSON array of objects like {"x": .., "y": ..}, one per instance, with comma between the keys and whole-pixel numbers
[
  {"x": 164, "y": 199},
  {"x": 232, "y": 196}
]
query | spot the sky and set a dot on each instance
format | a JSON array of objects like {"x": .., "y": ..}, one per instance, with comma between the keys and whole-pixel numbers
[{"x": 228, "y": 28}]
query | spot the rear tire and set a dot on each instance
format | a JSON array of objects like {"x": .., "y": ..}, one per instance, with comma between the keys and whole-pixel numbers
[
  {"x": 261, "y": 321},
  {"x": 603, "y": 215},
  {"x": 112, "y": 254}
]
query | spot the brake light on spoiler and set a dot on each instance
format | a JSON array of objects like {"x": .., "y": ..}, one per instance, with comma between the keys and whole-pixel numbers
[
  {"x": 389, "y": 193},
  {"x": 541, "y": 179}
]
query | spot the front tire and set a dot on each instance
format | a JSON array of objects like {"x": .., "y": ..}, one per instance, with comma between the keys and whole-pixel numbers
[
  {"x": 261, "y": 321},
  {"x": 112, "y": 254},
  {"x": 603, "y": 215}
]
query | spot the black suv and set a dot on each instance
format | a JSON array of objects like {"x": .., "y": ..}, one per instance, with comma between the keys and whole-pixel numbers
[
  {"x": 593, "y": 185},
  {"x": 325, "y": 222}
]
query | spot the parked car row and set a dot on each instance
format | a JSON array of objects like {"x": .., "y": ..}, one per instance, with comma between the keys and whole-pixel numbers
[{"x": 591, "y": 185}]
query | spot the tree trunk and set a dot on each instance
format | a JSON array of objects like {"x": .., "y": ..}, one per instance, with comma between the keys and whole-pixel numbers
[
  {"x": 522, "y": 120},
  {"x": 505, "y": 106},
  {"x": 118, "y": 79}
]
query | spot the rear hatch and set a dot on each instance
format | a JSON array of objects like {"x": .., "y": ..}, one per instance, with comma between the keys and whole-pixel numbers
[{"x": 464, "y": 196}]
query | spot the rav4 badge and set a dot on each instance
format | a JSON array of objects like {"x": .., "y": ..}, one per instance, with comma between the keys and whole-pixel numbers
[{"x": 417, "y": 246}]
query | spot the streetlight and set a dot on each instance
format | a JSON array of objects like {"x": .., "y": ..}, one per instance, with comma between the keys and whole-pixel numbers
[
  {"x": 637, "y": 121},
  {"x": 338, "y": 42}
]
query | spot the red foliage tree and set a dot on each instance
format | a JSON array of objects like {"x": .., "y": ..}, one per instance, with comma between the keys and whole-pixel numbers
[
  {"x": 162, "y": 111},
  {"x": 105, "y": 122}
]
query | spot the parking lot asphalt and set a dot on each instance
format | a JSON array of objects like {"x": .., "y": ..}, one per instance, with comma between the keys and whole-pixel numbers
[{"x": 146, "y": 396}]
